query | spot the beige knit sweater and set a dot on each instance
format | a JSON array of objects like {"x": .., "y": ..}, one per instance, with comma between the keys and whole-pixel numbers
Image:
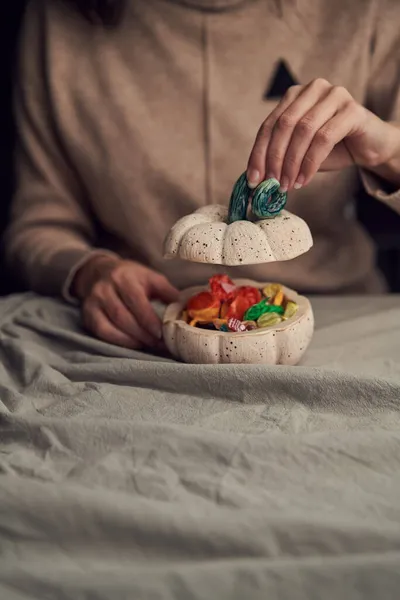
[{"x": 124, "y": 131}]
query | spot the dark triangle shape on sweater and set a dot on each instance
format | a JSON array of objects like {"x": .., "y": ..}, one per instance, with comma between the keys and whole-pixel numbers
[{"x": 281, "y": 81}]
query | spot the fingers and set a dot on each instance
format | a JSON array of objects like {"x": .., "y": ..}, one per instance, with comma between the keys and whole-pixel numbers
[
  {"x": 303, "y": 133},
  {"x": 160, "y": 288},
  {"x": 256, "y": 171},
  {"x": 124, "y": 319},
  {"x": 296, "y": 137},
  {"x": 138, "y": 303},
  {"x": 118, "y": 307},
  {"x": 285, "y": 126},
  {"x": 96, "y": 321},
  {"x": 324, "y": 141},
  {"x": 136, "y": 296}
]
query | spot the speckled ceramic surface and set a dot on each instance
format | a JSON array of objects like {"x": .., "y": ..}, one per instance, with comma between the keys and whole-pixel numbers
[
  {"x": 282, "y": 344},
  {"x": 205, "y": 236}
]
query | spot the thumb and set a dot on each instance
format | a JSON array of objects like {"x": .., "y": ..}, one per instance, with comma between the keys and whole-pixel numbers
[{"x": 161, "y": 289}]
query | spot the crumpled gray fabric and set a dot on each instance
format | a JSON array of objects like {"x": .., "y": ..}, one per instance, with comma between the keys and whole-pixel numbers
[{"x": 128, "y": 476}]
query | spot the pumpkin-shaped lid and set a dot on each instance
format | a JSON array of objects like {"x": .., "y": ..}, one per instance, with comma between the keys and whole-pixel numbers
[{"x": 235, "y": 235}]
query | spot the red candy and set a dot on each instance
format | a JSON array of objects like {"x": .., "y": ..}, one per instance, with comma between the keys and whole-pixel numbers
[
  {"x": 203, "y": 306},
  {"x": 245, "y": 297},
  {"x": 224, "y": 300},
  {"x": 222, "y": 287},
  {"x": 238, "y": 307},
  {"x": 251, "y": 293}
]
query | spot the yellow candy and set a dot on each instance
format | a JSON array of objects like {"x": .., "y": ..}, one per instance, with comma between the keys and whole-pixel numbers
[
  {"x": 272, "y": 291},
  {"x": 290, "y": 310},
  {"x": 268, "y": 319},
  {"x": 278, "y": 300},
  {"x": 184, "y": 316}
]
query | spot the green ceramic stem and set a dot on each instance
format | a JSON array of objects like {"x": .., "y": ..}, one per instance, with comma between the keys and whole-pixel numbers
[
  {"x": 266, "y": 202},
  {"x": 239, "y": 200}
]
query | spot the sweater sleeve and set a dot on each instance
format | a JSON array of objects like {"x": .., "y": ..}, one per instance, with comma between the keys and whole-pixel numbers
[
  {"x": 50, "y": 234},
  {"x": 383, "y": 96}
]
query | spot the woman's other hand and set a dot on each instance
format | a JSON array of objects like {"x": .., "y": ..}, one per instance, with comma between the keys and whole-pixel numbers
[
  {"x": 320, "y": 126},
  {"x": 116, "y": 299}
]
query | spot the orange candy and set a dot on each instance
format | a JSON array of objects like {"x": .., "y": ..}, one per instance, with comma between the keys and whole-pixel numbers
[{"x": 203, "y": 307}]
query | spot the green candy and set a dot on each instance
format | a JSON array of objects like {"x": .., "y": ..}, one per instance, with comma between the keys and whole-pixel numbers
[
  {"x": 268, "y": 320},
  {"x": 267, "y": 201},
  {"x": 255, "y": 311},
  {"x": 239, "y": 200}
]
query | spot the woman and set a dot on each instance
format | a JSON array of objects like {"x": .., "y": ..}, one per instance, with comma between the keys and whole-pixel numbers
[{"x": 133, "y": 113}]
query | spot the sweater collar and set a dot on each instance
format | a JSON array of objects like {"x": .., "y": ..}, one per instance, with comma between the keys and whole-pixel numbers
[{"x": 212, "y": 5}]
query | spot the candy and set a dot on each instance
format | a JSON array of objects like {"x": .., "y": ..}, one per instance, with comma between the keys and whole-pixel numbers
[
  {"x": 203, "y": 307},
  {"x": 236, "y": 325},
  {"x": 250, "y": 325},
  {"x": 272, "y": 290},
  {"x": 255, "y": 312},
  {"x": 245, "y": 297},
  {"x": 224, "y": 310},
  {"x": 227, "y": 307},
  {"x": 252, "y": 294},
  {"x": 278, "y": 300},
  {"x": 238, "y": 307},
  {"x": 268, "y": 319},
  {"x": 219, "y": 323},
  {"x": 222, "y": 287},
  {"x": 290, "y": 310}
]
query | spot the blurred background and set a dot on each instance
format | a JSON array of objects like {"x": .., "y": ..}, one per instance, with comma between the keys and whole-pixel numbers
[{"x": 382, "y": 223}]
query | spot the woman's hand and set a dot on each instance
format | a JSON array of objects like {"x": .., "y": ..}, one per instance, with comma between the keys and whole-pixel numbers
[
  {"x": 116, "y": 296},
  {"x": 319, "y": 127}
]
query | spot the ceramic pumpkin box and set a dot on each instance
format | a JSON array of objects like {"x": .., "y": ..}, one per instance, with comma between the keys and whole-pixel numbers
[{"x": 240, "y": 321}]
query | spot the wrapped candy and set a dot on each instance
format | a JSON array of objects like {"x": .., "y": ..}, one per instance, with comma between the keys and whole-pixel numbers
[
  {"x": 268, "y": 319},
  {"x": 245, "y": 297},
  {"x": 222, "y": 287},
  {"x": 236, "y": 325},
  {"x": 221, "y": 324},
  {"x": 252, "y": 294},
  {"x": 271, "y": 289},
  {"x": 278, "y": 299},
  {"x": 255, "y": 312},
  {"x": 274, "y": 293},
  {"x": 237, "y": 308},
  {"x": 250, "y": 325},
  {"x": 203, "y": 307},
  {"x": 290, "y": 310},
  {"x": 227, "y": 307}
]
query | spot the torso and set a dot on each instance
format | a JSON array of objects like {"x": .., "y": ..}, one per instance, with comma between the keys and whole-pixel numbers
[{"x": 158, "y": 118}]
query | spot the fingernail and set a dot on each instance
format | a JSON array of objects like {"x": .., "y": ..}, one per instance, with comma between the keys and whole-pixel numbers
[
  {"x": 284, "y": 184},
  {"x": 299, "y": 182},
  {"x": 253, "y": 178}
]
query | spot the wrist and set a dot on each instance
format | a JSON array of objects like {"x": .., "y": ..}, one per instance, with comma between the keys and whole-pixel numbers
[
  {"x": 89, "y": 273},
  {"x": 389, "y": 166}
]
